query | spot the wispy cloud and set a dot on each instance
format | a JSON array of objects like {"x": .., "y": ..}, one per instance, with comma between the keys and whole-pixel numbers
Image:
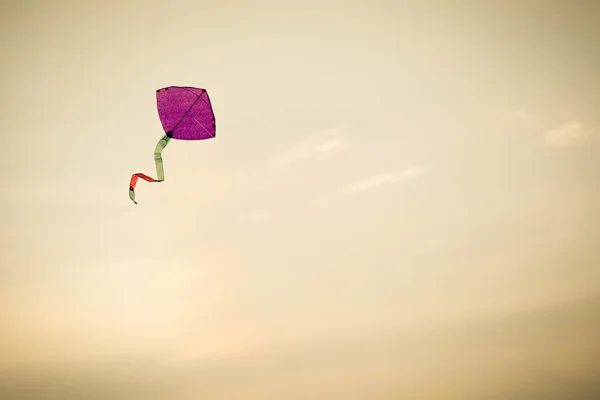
[
  {"x": 386, "y": 178},
  {"x": 320, "y": 143},
  {"x": 569, "y": 134},
  {"x": 320, "y": 201},
  {"x": 328, "y": 146},
  {"x": 524, "y": 116},
  {"x": 258, "y": 216}
]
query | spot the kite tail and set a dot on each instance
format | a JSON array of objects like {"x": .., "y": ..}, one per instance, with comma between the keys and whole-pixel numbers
[{"x": 162, "y": 143}]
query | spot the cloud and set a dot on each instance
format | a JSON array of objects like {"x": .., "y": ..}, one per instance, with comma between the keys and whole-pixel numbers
[
  {"x": 321, "y": 143},
  {"x": 324, "y": 200},
  {"x": 258, "y": 216},
  {"x": 328, "y": 146},
  {"x": 383, "y": 179},
  {"x": 570, "y": 134},
  {"x": 525, "y": 117},
  {"x": 320, "y": 201}
]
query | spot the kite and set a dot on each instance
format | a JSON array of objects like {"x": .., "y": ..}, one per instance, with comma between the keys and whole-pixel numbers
[{"x": 185, "y": 114}]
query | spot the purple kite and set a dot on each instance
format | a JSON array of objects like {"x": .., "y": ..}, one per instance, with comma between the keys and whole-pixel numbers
[{"x": 186, "y": 114}]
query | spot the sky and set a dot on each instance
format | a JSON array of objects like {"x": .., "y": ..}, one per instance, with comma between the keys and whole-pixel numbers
[{"x": 401, "y": 201}]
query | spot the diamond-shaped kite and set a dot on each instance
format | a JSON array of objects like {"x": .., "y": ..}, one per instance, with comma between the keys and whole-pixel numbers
[{"x": 186, "y": 114}]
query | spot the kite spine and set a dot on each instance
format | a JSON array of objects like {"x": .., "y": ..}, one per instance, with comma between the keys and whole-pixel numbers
[{"x": 160, "y": 172}]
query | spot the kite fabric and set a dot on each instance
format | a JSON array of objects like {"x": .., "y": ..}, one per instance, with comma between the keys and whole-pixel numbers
[{"x": 186, "y": 114}]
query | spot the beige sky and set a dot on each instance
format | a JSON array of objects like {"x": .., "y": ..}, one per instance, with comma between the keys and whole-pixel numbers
[{"x": 401, "y": 201}]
